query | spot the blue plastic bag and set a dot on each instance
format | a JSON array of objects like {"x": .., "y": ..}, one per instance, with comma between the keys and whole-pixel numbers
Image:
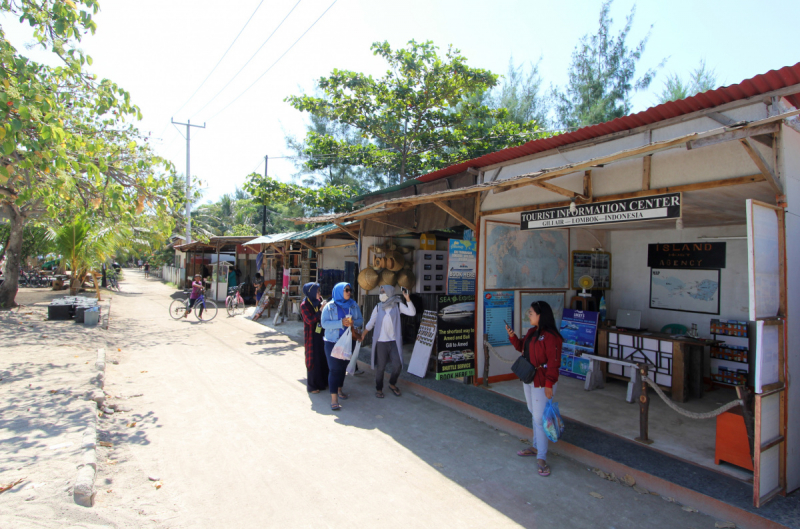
[{"x": 552, "y": 422}]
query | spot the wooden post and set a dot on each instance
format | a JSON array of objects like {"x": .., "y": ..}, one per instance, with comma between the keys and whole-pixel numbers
[
  {"x": 644, "y": 408},
  {"x": 485, "y": 362}
]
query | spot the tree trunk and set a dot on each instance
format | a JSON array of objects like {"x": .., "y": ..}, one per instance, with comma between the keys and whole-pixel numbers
[{"x": 8, "y": 290}]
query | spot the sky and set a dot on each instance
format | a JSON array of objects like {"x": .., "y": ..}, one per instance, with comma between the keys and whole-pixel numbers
[{"x": 161, "y": 51}]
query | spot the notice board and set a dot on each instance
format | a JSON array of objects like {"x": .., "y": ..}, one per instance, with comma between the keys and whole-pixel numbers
[
  {"x": 579, "y": 330},
  {"x": 498, "y": 308},
  {"x": 455, "y": 337}
]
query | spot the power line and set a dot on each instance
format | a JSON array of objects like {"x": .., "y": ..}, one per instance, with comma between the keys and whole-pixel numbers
[
  {"x": 220, "y": 59},
  {"x": 248, "y": 60},
  {"x": 274, "y": 63}
]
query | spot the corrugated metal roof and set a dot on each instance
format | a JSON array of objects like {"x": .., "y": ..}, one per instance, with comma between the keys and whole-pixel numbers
[
  {"x": 296, "y": 235},
  {"x": 760, "y": 84},
  {"x": 269, "y": 239}
]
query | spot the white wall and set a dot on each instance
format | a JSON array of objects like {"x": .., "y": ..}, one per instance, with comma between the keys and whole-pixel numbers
[
  {"x": 630, "y": 276},
  {"x": 789, "y": 155}
]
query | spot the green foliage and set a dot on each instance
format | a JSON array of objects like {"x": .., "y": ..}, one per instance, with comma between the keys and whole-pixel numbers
[
  {"x": 416, "y": 118},
  {"x": 86, "y": 244},
  {"x": 701, "y": 79},
  {"x": 520, "y": 93},
  {"x": 66, "y": 142},
  {"x": 267, "y": 190},
  {"x": 602, "y": 75},
  {"x": 35, "y": 241}
]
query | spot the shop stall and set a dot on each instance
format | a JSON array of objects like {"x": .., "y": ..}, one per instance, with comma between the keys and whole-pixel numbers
[{"x": 659, "y": 239}]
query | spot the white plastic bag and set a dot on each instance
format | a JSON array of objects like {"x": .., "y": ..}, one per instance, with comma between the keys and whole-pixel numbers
[
  {"x": 343, "y": 349},
  {"x": 351, "y": 367}
]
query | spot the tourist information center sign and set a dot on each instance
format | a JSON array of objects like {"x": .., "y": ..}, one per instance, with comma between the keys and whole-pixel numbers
[{"x": 654, "y": 207}]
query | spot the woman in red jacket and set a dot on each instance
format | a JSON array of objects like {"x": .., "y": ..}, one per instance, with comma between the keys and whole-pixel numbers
[{"x": 542, "y": 347}]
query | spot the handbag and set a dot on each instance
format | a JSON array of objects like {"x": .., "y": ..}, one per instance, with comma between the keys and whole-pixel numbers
[
  {"x": 343, "y": 349},
  {"x": 522, "y": 366},
  {"x": 523, "y": 369}
]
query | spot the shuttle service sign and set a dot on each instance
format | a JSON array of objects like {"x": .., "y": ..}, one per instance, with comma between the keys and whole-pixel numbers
[{"x": 655, "y": 207}]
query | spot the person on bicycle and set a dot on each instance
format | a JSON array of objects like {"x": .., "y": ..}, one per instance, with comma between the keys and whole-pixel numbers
[{"x": 197, "y": 291}]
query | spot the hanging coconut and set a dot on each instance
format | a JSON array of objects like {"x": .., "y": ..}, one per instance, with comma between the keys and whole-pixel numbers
[
  {"x": 388, "y": 278},
  {"x": 406, "y": 278},
  {"x": 368, "y": 279}
]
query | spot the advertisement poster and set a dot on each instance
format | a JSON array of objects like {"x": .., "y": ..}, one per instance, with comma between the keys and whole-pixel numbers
[
  {"x": 462, "y": 267},
  {"x": 422, "y": 347},
  {"x": 579, "y": 330},
  {"x": 498, "y": 308},
  {"x": 455, "y": 337}
]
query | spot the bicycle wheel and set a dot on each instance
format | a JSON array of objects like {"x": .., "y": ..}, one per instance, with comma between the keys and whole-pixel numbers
[
  {"x": 209, "y": 311},
  {"x": 230, "y": 307},
  {"x": 177, "y": 309},
  {"x": 239, "y": 307}
]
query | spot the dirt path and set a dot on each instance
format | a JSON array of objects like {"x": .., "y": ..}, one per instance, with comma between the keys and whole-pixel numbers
[{"x": 225, "y": 425}]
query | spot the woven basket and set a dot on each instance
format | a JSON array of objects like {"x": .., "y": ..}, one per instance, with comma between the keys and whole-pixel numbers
[
  {"x": 388, "y": 278},
  {"x": 377, "y": 263},
  {"x": 368, "y": 279},
  {"x": 406, "y": 278},
  {"x": 394, "y": 261}
]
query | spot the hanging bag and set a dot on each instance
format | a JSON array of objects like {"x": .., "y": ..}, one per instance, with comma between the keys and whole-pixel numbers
[
  {"x": 552, "y": 421},
  {"x": 522, "y": 367},
  {"x": 343, "y": 349}
]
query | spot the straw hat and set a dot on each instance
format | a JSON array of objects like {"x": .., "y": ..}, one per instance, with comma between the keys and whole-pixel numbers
[
  {"x": 368, "y": 279},
  {"x": 406, "y": 278},
  {"x": 388, "y": 278}
]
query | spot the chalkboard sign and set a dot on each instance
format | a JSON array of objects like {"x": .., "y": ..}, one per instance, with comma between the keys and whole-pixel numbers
[{"x": 697, "y": 255}]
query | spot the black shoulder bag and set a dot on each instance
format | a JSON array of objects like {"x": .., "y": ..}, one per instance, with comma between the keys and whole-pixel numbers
[{"x": 522, "y": 367}]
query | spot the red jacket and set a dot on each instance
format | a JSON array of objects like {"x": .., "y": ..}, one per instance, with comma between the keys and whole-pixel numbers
[{"x": 544, "y": 351}]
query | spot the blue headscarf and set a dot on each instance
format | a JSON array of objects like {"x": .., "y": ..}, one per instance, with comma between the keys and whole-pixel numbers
[
  {"x": 310, "y": 290},
  {"x": 338, "y": 296}
]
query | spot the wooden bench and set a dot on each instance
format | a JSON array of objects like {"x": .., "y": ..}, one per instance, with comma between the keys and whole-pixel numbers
[{"x": 595, "y": 378}]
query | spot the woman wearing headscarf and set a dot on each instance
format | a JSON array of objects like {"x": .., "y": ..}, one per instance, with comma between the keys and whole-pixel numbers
[
  {"x": 316, "y": 363},
  {"x": 542, "y": 348},
  {"x": 341, "y": 312},
  {"x": 387, "y": 344}
]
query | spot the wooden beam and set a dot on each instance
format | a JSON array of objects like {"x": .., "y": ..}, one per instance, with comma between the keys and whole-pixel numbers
[
  {"x": 472, "y": 170},
  {"x": 347, "y": 230},
  {"x": 762, "y": 165},
  {"x": 722, "y": 119},
  {"x": 587, "y": 185},
  {"x": 308, "y": 246},
  {"x": 380, "y": 221},
  {"x": 456, "y": 215},
  {"x": 646, "y": 162},
  {"x": 736, "y": 134},
  {"x": 560, "y": 190},
  {"x": 674, "y": 189}
]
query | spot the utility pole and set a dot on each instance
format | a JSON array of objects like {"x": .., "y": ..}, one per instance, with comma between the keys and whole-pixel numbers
[
  {"x": 189, "y": 126},
  {"x": 264, "y": 205}
]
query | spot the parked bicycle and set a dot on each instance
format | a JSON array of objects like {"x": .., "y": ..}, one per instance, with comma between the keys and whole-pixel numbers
[
  {"x": 112, "y": 280},
  {"x": 204, "y": 309},
  {"x": 234, "y": 303}
]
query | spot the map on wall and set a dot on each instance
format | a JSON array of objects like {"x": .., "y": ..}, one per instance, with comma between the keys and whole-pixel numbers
[
  {"x": 684, "y": 290},
  {"x": 526, "y": 259},
  {"x": 554, "y": 299}
]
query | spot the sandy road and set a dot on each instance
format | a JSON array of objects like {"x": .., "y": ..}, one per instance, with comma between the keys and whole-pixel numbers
[{"x": 226, "y": 424}]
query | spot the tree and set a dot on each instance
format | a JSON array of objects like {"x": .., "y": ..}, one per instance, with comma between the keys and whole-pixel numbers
[
  {"x": 602, "y": 75},
  {"x": 521, "y": 95},
  {"x": 66, "y": 139},
  {"x": 701, "y": 79},
  {"x": 416, "y": 118}
]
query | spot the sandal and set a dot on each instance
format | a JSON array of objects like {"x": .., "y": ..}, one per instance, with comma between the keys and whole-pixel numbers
[
  {"x": 336, "y": 407},
  {"x": 530, "y": 451},
  {"x": 379, "y": 394},
  {"x": 343, "y": 396},
  {"x": 314, "y": 391},
  {"x": 395, "y": 390},
  {"x": 544, "y": 470}
]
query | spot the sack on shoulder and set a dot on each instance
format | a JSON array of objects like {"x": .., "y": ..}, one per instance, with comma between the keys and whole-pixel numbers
[{"x": 524, "y": 369}]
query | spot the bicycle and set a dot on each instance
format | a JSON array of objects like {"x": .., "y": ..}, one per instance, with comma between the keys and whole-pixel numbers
[
  {"x": 234, "y": 303},
  {"x": 204, "y": 309},
  {"x": 113, "y": 284}
]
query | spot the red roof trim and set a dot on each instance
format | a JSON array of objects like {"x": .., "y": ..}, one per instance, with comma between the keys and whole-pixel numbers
[{"x": 760, "y": 84}]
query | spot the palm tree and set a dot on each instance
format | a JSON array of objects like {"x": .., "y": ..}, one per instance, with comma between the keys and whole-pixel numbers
[{"x": 84, "y": 246}]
